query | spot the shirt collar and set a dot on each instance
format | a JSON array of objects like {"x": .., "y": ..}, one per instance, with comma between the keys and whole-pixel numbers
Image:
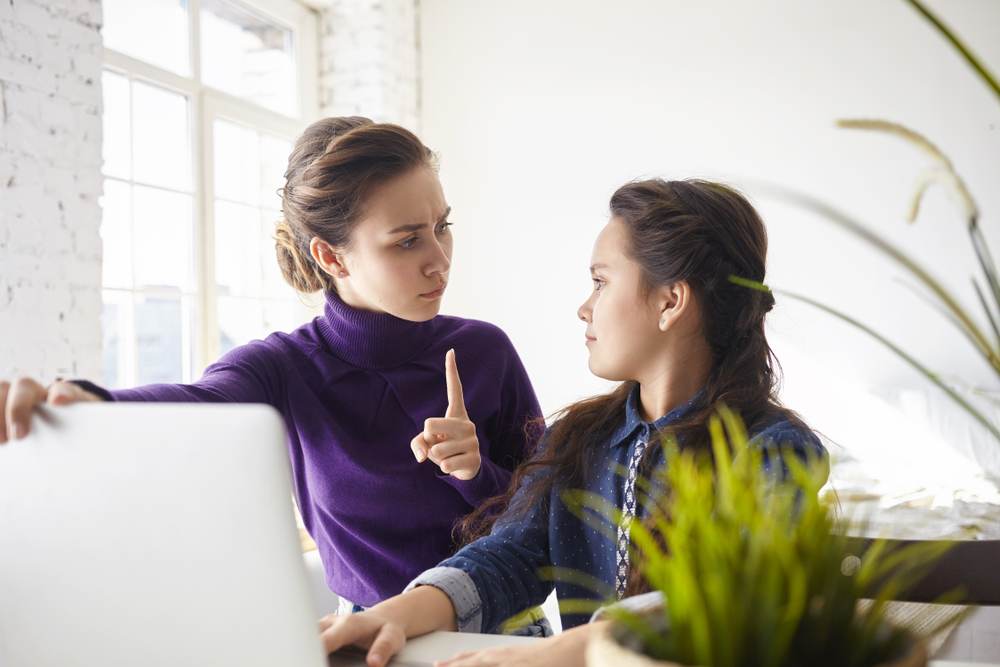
[{"x": 624, "y": 434}]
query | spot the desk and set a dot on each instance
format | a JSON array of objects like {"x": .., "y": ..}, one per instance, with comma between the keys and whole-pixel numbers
[{"x": 423, "y": 651}]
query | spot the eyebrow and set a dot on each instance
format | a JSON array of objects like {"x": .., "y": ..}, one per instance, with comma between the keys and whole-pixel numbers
[
  {"x": 417, "y": 226},
  {"x": 594, "y": 267}
]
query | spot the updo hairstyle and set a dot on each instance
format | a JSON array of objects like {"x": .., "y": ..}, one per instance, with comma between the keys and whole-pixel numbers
[{"x": 332, "y": 171}]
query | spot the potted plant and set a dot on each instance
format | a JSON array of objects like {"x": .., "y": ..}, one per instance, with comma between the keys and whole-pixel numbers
[{"x": 755, "y": 568}]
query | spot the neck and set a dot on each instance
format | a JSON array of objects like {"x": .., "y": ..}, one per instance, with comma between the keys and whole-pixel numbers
[{"x": 675, "y": 381}]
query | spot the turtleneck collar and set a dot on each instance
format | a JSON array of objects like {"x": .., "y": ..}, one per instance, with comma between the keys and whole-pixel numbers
[{"x": 372, "y": 340}]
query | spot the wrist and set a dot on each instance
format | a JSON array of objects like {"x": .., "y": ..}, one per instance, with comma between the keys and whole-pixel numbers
[{"x": 419, "y": 611}]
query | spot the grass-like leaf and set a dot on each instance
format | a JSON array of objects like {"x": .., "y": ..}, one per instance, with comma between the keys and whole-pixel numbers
[
  {"x": 933, "y": 377},
  {"x": 976, "y": 64},
  {"x": 963, "y": 320}
]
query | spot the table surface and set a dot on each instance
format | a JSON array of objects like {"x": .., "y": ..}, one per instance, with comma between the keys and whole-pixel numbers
[{"x": 423, "y": 651}]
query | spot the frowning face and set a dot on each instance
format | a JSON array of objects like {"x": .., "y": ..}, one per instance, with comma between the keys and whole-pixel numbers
[{"x": 400, "y": 253}]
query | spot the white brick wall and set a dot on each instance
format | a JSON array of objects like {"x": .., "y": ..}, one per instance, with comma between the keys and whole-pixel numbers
[
  {"x": 50, "y": 179},
  {"x": 370, "y": 60}
]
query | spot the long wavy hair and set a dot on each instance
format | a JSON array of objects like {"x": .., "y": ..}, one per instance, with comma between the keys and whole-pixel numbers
[{"x": 703, "y": 233}]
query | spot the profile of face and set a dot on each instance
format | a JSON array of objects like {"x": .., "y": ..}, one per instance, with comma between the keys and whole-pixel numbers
[
  {"x": 399, "y": 255},
  {"x": 624, "y": 329}
]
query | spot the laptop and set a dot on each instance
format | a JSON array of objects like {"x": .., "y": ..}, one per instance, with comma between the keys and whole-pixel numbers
[{"x": 152, "y": 534}]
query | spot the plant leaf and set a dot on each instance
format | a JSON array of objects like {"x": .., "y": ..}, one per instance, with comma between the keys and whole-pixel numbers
[
  {"x": 933, "y": 377},
  {"x": 980, "y": 68},
  {"x": 966, "y": 323}
]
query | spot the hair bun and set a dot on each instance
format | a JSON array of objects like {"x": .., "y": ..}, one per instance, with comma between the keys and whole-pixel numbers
[{"x": 767, "y": 301}]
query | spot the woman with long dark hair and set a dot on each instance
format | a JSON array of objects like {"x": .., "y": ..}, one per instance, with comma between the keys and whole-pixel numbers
[{"x": 666, "y": 320}]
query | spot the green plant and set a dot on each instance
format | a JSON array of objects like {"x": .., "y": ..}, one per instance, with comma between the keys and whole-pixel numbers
[{"x": 751, "y": 563}]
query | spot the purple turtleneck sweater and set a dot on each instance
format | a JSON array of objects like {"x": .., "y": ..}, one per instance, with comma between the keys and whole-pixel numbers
[{"x": 355, "y": 388}]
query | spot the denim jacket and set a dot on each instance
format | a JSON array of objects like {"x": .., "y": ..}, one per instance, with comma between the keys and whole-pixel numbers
[{"x": 496, "y": 577}]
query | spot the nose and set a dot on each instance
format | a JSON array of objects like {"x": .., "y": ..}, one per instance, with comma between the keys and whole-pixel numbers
[
  {"x": 584, "y": 311},
  {"x": 439, "y": 260}
]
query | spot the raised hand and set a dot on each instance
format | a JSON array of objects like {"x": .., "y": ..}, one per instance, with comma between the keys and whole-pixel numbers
[
  {"x": 451, "y": 441},
  {"x": 18, "y": 398}
]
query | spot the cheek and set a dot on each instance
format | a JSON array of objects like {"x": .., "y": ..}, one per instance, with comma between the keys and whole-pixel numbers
[
  {"x": 606, "y": 315},
  {"x": 383, "y": 273}
]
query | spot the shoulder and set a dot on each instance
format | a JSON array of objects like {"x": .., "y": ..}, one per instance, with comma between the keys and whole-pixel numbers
[
  {"x": 473, "y": 333},
  {"x": 279, "y": 351},
  {"x": 482, "y": 342},
  {"x": 784, "y": 432}
]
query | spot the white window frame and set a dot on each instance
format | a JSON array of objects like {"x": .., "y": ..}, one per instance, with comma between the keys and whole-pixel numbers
[{"x": 206, "y": 105}]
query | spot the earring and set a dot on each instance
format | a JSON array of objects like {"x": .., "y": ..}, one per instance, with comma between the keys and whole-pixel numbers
[
  {"x": 662, "y": 321},
  {"x": 341, "y": 273}
]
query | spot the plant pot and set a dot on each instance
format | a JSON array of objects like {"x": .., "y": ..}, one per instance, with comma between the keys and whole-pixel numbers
[{"x": 604, "y": 651}]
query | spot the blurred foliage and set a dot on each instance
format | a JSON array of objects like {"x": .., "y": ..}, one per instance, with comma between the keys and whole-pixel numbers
[{"x": 986, "y": 341}]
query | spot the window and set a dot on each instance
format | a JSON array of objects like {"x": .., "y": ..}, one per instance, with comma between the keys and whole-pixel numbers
[{"x": 202, "y": 99}]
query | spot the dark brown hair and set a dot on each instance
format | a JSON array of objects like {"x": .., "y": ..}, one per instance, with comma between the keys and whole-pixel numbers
[
  {"x": 703, "y": 233},
  {"x": 332, "y": 171}
]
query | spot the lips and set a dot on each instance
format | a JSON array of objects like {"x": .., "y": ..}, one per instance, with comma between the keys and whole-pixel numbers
[{"x": 436, "y": 293}]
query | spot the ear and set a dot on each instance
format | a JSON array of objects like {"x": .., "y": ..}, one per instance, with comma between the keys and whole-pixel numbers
[
  {"x": 328, "y": 257},
  {"x": 675, "y": 302}
]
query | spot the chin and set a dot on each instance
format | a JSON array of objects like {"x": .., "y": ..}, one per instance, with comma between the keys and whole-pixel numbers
[
  {"x": 605, "y": 373},
  {"x": 420, "y": 314}
]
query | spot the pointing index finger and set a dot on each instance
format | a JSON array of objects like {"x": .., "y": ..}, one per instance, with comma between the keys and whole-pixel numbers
[{"x": 456, "y": 402}]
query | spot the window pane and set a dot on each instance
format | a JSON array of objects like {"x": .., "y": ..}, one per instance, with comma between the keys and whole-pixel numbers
[
  {"x": 279, "y": 316},
  {"x": 116, "y": 118},
  {"x": 161, "y": 136},
  {"x": 116, "y": 323},
  {"x": 163, "y": 239},
  {"x": 248, "y": 56},
  {"x": 273, "y": 163},
  {"x": 155, "y": 31},
  {"x": 236, "y": 154},
  {"x": 237, "y": 249},
  {"x": 159, "y": 331},
  {"x": 240, "y": 322},
  {"x": 116, "y": 233}
]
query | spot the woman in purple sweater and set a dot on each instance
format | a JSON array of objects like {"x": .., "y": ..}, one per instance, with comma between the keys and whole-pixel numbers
[{"x": 364, "y": 389}]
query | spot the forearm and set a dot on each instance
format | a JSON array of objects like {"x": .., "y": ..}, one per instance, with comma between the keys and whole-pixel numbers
[{"x": 419, "y": 611}]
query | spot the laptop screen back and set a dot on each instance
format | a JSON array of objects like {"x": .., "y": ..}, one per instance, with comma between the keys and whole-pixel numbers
[{"x": 153, "y": 534}]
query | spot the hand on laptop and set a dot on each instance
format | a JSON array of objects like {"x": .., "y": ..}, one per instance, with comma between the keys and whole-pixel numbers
[
  {"x": 384, "y": 628},
  {"x": 369, "y": 630},
  {"x": 18, "y": 398},
  {"x": 450, "y": 442}
]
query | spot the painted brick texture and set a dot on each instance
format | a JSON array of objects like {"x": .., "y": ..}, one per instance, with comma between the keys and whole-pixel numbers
[
  {"x": 370, "y": 63},
  {"x": 50, "y": 181}
]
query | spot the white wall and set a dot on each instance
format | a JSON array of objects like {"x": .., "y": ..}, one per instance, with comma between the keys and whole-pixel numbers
[
  {"x": 540, "y": 110},
  {"x": 50, "y": 179},
  {"x": 370, "y": 62}
]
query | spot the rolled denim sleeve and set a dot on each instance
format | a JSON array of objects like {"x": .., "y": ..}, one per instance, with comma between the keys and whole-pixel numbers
[
  {"x": 500, "y": 571},
  {"x": 458, "y": 586}
]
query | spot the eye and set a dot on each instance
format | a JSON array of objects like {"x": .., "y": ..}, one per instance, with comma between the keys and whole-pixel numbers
[
  {"x": 408, "y": 243},
  {"x": 598, "y": 284},
  {"x": 443, "y": 227}
]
